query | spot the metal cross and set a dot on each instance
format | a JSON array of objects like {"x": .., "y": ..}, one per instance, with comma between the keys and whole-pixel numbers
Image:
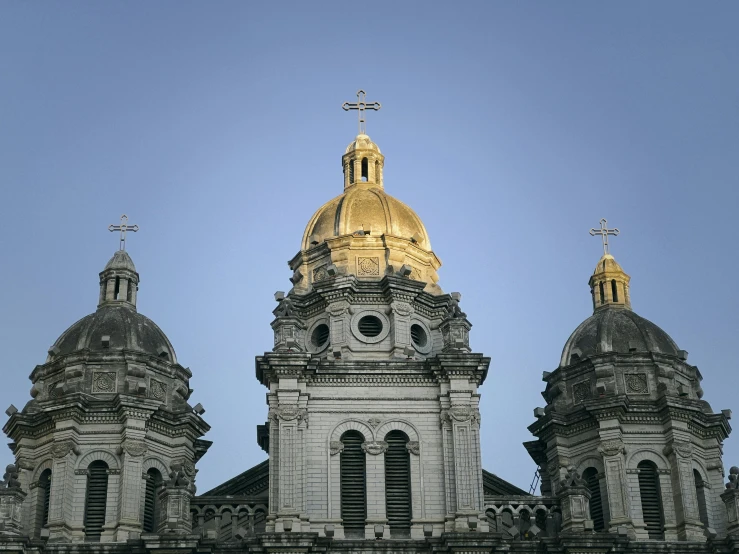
[
  {"x": 123, "y": 227},
  {"x": 360, "y": 105},
  {"x": 604, "y": 231}
]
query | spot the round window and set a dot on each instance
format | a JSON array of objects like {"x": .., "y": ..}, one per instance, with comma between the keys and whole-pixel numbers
[
  {"x": 418, "y": 335},
  {"x": 370, "y": 326},
  {"x": 320, "y": 335}
]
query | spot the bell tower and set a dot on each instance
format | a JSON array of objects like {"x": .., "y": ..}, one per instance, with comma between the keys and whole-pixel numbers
[{"x": 374, "y": 426}]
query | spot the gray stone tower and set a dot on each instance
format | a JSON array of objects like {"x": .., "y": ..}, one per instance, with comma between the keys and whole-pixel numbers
[
  {"x": 108, "y": 424},
  {"x": 625, "y": 412},
  {"x": 373, "y": 403}
]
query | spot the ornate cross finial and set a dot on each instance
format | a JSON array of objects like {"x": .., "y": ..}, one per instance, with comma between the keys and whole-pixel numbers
[
  {"x": 360, "y": 105},
  {"x": 123, "y": 227},
  {"x": 604, "y": 231}
]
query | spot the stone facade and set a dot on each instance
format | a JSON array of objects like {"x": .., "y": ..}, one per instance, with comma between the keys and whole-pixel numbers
[{"x": 372, "y": 394}]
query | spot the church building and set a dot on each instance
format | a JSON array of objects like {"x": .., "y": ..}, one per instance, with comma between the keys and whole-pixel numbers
[{"x": 372, "y": 419}]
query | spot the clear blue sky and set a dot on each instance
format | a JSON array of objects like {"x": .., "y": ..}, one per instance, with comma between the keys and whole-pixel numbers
[{"x": 510, "y": 127}]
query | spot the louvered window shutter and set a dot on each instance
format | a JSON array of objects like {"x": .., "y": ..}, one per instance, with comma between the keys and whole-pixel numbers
[
  {"x": 96, "y": 499},
  {"x": 651, "y": 502},
  {"x": 353, "y": 485},
  {"x": 596, "y": 502},
  {"x": 44, "y": 496},
  {"x": 398, "y": 484},
  {"x": 153, "y": 482},
  {"x": 700, "y": 491}
]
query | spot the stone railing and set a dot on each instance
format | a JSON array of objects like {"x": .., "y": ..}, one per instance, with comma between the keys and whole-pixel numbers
[
  {"x": 523, "y": 517},
  {"x": 226, "y": 518}
]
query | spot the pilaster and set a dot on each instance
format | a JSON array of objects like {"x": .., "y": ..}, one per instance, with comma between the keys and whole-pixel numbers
[
  {"x": 689, "y": 526},
  {"x": 613, "y": 452}
]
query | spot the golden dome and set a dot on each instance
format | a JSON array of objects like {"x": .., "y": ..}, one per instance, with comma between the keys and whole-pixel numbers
[
  {"x": 362, "y": 142},
  {"x": 365, "y": 207}
]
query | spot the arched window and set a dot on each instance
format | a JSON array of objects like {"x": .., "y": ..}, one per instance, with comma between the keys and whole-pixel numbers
[
  {"x": 596, "y": 502},
  {"x": 700, "y": 491},
  {"x": 602, "y": 293},
  {"x": 353, "y": 485},
  {"x": 117, "y": 290},
  {"x": 614, "y": 290},
  {"x": 377, "y": 172},
  {"x": 129, "y": 290},
  {"x": 151, "y": 505},
  {"x": 398, "y": 484},
  {"x": 351, "y": 171},
  {"x": 365, "y": 170},
  {"x": 44, "y": 496},
  {"x": 651, "y": 501},
  {"x": 96, "y": 498}
]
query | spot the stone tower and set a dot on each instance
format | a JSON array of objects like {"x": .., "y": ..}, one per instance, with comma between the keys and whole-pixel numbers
[
  {"x": 625, "y": 413},
  {"x": 108, "y": 424},
  {"x": 373, "y": 403}
]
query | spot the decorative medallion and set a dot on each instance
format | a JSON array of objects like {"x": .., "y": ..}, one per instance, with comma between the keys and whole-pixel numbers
[
  {"x": 336, "y": 447},
  {"x": 374, "y": 447},
  {"x": 581, "y": 391},
  {"x": 158, "y": 389},
  {"x": 320, "y": 274},
  {"x": 103, "y": 381},
  {"x": 290, "y": 413},
  {"x": 413, "y": 447},
  {"x": 636, "y": 383},
  {"x": 368, "y": 266},
  {"x": 374, "y": 422}
]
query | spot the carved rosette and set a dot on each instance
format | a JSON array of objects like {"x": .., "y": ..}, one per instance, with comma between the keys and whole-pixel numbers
[
  {"x": 62, "y": 448},
  {"x": 413, "y": 447},
  {"x": 336, "y": 447},
  {"x": 374, "y": 422},
  {"x": 337, "y": 309},
  {"x": 612, "y": 447},
  {"x": 374, "y": 447}
]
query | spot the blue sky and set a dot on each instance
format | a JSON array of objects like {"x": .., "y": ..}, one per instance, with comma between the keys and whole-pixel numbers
[{"x": 510, "y": 127}]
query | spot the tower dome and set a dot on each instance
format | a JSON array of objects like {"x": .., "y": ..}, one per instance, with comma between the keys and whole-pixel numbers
[
  {"x": 364, "y": 231},
  {"x": 614, "y": 327},
  {"x": 116, "y": 324}
]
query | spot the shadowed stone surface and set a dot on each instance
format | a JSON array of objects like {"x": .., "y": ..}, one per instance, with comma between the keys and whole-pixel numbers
[
  {"x": 127, "y": 329},
  {"x": 612, "y": 329}
]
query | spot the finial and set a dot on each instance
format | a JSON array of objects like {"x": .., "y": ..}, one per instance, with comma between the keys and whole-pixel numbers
[
  {"x": 604, "y": 231},
  {"x": 123, "y": 227},
  {"x": 360, "y": 105}
]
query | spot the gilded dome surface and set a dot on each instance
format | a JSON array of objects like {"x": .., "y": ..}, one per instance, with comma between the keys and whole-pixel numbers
[
  {"x": 126, "y": 328},
  {"x": 612, "y": 329},
  {"x": 365, "y": 207}
]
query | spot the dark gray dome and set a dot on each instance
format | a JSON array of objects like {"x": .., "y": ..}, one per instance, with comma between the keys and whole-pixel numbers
[
  {"x": 615, "y": 329},
  {"x": 127, "y": 329}
]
